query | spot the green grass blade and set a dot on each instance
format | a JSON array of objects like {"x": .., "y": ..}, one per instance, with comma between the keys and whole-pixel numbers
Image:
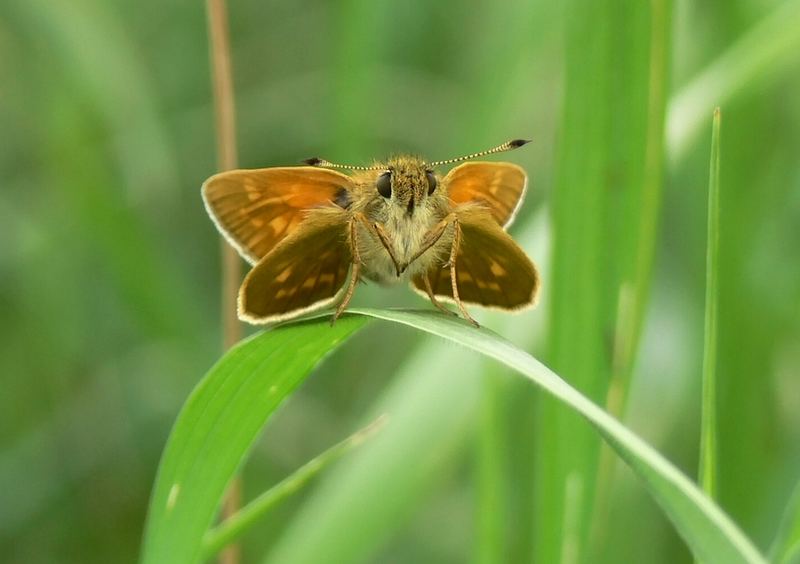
[
  {"x": 605, "y": 209},
  {"x": 708, "y": 424},
  {"x": 237, "y": 524},
  {"x": 494, "y": 114},
  {"x": 581, "y": 287},
  {"x": 770, "y": 46},
  {"x": 432, "y": 404},
  {"x": 353, "y": 497},
  {"x": 710, "y": 533},
  {"x": 493, "y": 487},
  {"x": 225, "y": 412},
  {"x": 644, "y": 205},
  {"x": 218, "y": 425},
  {"x": 786, "y": 546}
]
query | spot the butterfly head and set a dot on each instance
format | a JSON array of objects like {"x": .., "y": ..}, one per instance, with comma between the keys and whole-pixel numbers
[{"x": 407, "y": 185}]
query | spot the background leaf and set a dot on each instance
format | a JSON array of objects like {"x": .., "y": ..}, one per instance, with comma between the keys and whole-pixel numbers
[
  {"x": 605, "y": 211},
  {"x": 708, "y": 531},
  {"x": 223, "y": 415},
  {"x": 219, "y": 424}
]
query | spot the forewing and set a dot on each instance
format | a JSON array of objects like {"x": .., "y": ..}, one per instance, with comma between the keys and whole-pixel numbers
[
  {"x": 491, "y": 269},
  {"x": 498, "y": 186},
  {"x": 303, "y": 273},
  {"x": 256, "y": 209}
]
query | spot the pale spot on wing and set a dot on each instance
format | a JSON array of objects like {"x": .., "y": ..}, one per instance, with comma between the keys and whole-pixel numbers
[
  {"x": 260, "y": 203},
  {"x": 283, "y": 276},
  {"x": 495, "y": 186},
  {"x": 257, "y": 222},
  {"x": 481, "y": 284},
  {"x": 283, "y": 292},
  {"x": 309, "y": 283},
  {"x": 497, "y": 270},
  {"x": 494, "y": 286},
  {"x": 326, "y": 279},
  {"x": 278, "y": 224}
]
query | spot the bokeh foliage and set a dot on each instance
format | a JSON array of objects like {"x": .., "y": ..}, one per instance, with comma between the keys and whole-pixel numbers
[{"x": 109, "y": 267}]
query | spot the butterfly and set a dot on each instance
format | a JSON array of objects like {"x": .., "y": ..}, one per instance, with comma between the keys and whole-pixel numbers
[{"x": 312, "y": 233}]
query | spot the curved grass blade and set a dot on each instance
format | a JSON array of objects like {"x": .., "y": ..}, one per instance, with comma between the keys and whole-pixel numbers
[
  {"x": 765, "y": 52},
  {"x": 228, "y": 408},
  {"x": 353, "y": 495},
  {"x": 218, "y": 425},
  {"x": 432, "y": 402},
  {"x": 233, "y": 527},
  {"x": 707, "y": 530}
]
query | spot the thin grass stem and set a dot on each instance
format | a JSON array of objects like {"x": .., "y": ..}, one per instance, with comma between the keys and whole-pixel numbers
[
  {"x": 225, "y": 116},
  {"x": 233, "y": 527},
  {"x": 708, "y": 422}
]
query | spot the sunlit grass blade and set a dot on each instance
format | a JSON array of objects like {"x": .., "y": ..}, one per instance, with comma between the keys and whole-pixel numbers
[
  {"x": 710, "y": 533},
  {"x": 708, "y": 421},
  {"x": 786, "y": 545},
  {"x": 769, "y": 46},
  {"x": 238, "y": 523},
  {"x": 218, "y": 425}
]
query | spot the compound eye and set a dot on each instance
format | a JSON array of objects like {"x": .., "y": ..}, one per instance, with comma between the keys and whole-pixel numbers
[
  {"x": 431, "y": 181},
  {"x": 384, "y": 184}
]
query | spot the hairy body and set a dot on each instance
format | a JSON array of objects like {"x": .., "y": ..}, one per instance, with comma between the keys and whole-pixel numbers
[{"x": 406, "y": 217}]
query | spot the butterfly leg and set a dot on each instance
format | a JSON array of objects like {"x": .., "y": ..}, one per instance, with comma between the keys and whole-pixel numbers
[
  {"x": 354, "y": 274},
  {"x": 453, "y": 281},
  {"x": 378, "y": 230},
  {"x": 427, "y": 281},
  {"x": 432, "y": 237}
]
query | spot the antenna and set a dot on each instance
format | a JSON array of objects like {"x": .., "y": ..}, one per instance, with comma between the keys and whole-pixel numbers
[
  {"x": 316, "y": 161},
  {"x": 507, "y": 146}
]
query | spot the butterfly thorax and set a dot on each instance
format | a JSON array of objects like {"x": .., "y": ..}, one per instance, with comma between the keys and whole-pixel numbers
[{"x": 411, "y": 209}]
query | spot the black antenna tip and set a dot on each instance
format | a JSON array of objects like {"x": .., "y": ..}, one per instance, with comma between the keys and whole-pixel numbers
[
  {"x": 515, "y": 143},
  {"x": 313, "y": 161}
]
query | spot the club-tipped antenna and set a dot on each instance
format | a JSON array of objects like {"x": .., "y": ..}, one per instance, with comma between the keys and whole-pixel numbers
[
  {"x": 316, "y": 161},
  {"x": 507, "y": 146}
]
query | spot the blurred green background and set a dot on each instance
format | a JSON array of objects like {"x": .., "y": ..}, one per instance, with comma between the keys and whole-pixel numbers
[{"x": 109, "y": 267}]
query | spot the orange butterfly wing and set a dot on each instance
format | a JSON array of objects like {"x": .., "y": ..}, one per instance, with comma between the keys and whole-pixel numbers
[
  {"x": 303, "y": 273},
  {"x": 491, "y": 269},
  {"x": 256, "y": 209},
  {"x": 498, "y": 186}
]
